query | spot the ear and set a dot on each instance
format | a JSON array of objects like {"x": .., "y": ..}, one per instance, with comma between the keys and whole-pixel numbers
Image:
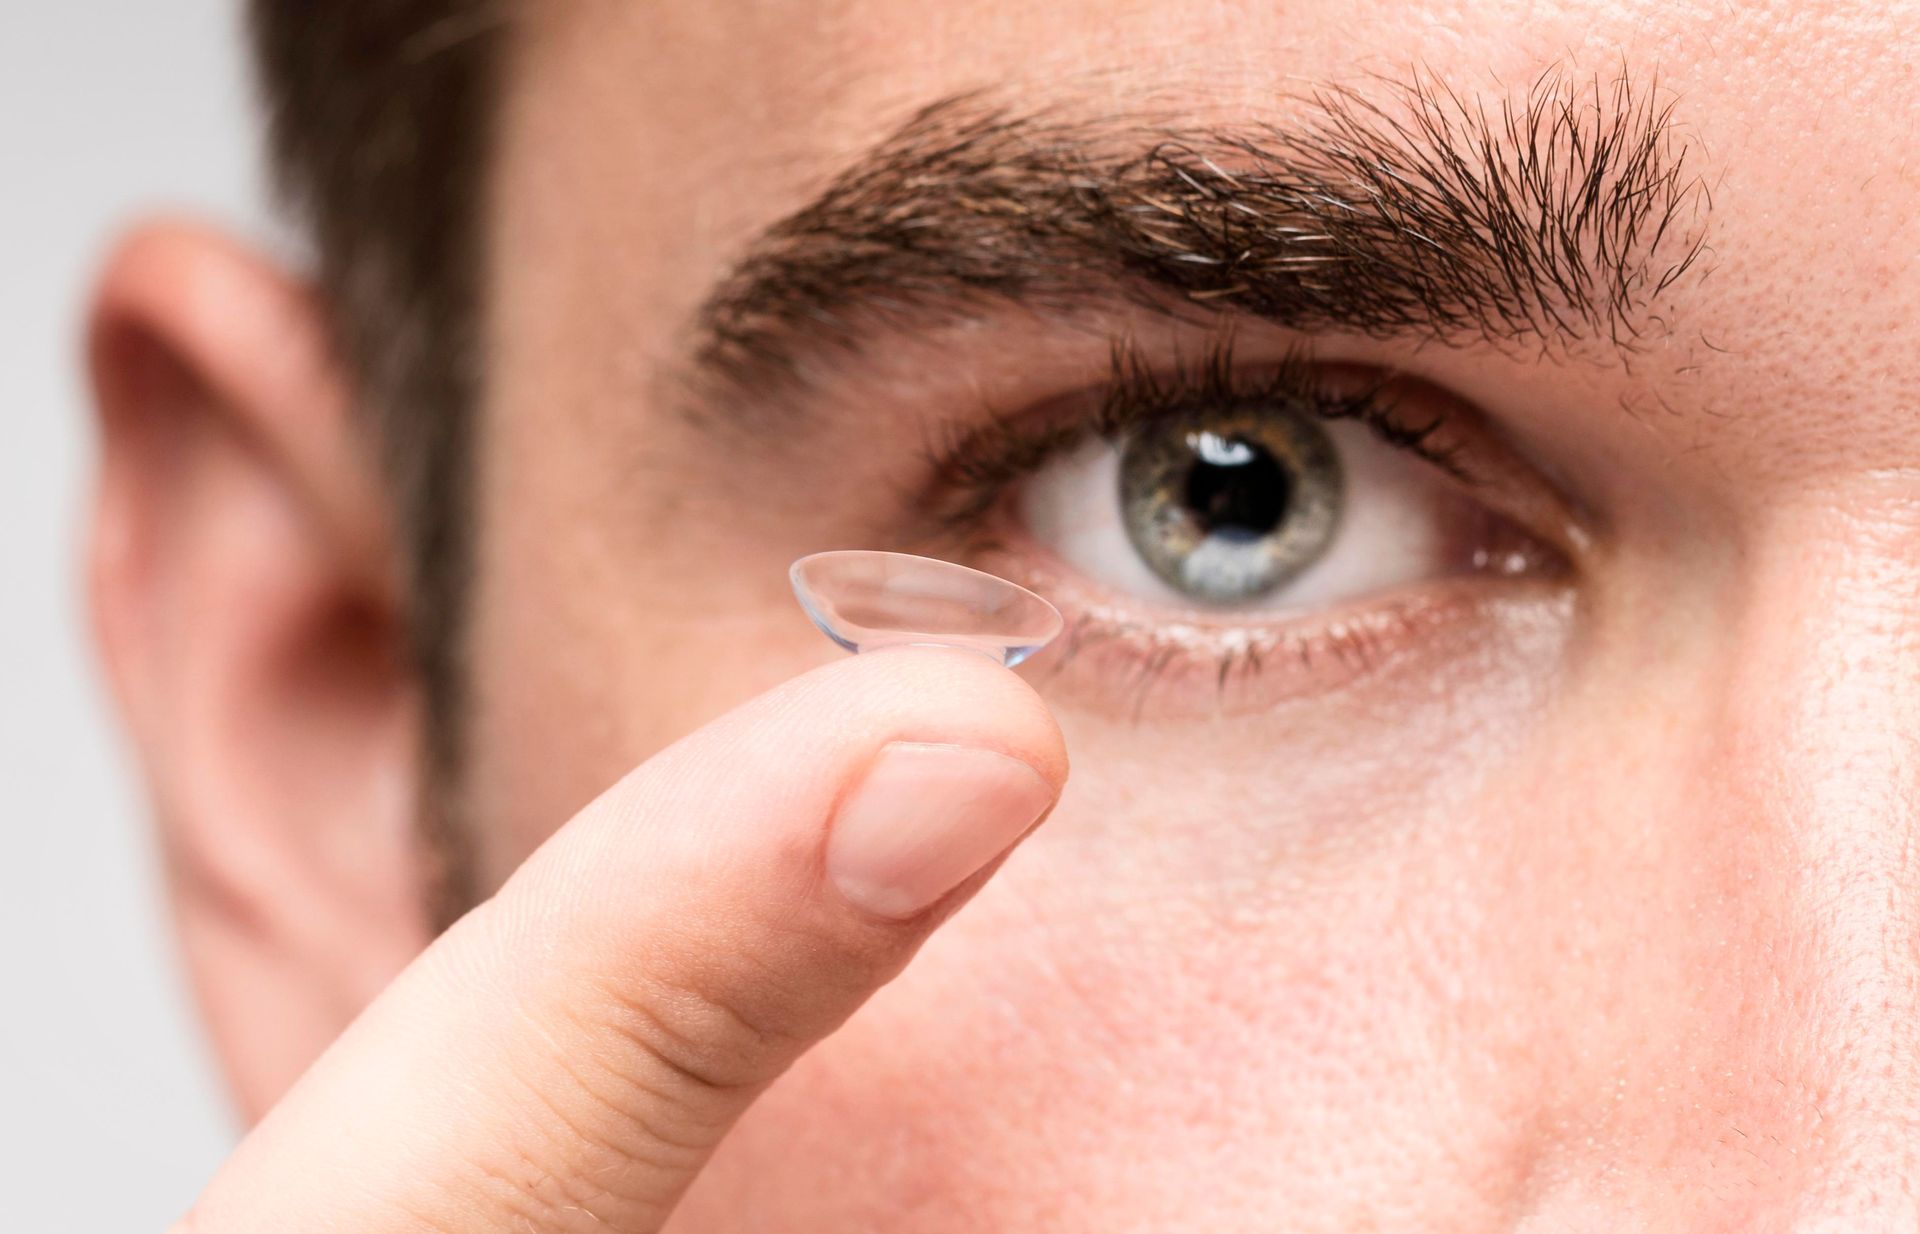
[{"x": 244, "y": 594}]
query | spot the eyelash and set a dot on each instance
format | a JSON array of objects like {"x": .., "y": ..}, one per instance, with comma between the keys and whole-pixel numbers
[{"x": 973, "y": 469}]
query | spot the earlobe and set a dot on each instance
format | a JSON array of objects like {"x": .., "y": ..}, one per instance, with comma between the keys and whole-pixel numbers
[{"x": 243, "y": 591}]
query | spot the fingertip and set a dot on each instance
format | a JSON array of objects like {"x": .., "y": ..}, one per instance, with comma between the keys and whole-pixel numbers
[
  {"x": 938, "y": 695},
  {"x": 925, "y": 818}
]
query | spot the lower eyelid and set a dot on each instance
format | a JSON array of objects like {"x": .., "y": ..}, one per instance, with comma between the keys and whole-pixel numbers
[
  {"x": 1185, "y": 674},
  {"x": 1140, "y": 666}
]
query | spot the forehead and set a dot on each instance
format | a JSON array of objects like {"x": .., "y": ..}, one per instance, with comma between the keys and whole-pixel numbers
[
  {"x": 744, "y": 92},
  {"x": 645, "y": 146}
]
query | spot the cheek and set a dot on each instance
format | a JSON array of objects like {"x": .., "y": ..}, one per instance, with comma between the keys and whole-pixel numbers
[
  {"x": 1230, "y": 947},
  {"x": 1134, "y": 1056}
]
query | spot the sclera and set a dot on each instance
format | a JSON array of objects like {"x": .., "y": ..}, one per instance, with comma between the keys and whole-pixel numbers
[{"x": 865, "y": 600}]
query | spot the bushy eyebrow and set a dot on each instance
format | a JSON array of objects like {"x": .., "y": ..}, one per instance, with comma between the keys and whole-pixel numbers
[{"x": 1392, "y": 207}]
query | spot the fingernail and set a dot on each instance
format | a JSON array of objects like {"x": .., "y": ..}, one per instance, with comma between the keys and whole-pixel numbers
[{"x": 926, "y": 817}]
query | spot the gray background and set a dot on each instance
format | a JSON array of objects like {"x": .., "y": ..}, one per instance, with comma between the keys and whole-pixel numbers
[{"x": 110, "y": 1116}]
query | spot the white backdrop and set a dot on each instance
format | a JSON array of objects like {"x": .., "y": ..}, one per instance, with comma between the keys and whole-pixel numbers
[{"x": 110, "y": 1118}]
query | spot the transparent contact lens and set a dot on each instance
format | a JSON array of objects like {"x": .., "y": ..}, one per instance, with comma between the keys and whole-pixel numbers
[{"x": 865, "y": 600}]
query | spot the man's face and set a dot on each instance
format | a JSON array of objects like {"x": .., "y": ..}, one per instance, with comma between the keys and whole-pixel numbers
[{"x": 1411, "y": 890}]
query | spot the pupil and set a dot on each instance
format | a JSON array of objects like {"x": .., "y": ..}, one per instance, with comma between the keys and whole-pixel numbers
[{"x": 1235, "y": 487}]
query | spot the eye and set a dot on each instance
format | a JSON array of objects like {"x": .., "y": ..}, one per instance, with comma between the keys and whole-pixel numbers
[
  {"x": 1260, "y": 506},
  {"x": 1224, "y": 533}
]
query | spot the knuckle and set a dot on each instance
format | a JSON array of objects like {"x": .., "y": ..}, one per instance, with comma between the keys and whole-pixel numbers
[
  {"x": 728, "y": 1020},
  {"x": 589, "y": 1147},
  {"x": 639, "y": 1078},
  {"x": 575, "y": 1191},
  {"x": 699, "y": 1040}
]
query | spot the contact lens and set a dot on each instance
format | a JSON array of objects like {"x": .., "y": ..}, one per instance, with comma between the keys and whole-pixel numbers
[{"x": 864, "y": 600}]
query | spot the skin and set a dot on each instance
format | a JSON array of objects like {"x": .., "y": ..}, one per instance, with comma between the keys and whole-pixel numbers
[{"x": 1590, "y": 907}]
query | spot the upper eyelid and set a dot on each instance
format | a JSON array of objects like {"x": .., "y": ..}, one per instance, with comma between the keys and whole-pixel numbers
[
  {"x": 1296, "y": 380},
  {"x": 972, "y": 466},
  {"x": 968, "y": 467}
]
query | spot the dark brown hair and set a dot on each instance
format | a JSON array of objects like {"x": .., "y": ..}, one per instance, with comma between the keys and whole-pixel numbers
[{"x": 380, "y": 118}]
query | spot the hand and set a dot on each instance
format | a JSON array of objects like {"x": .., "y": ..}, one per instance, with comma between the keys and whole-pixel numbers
[{"x": 568, "y": 1055}]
